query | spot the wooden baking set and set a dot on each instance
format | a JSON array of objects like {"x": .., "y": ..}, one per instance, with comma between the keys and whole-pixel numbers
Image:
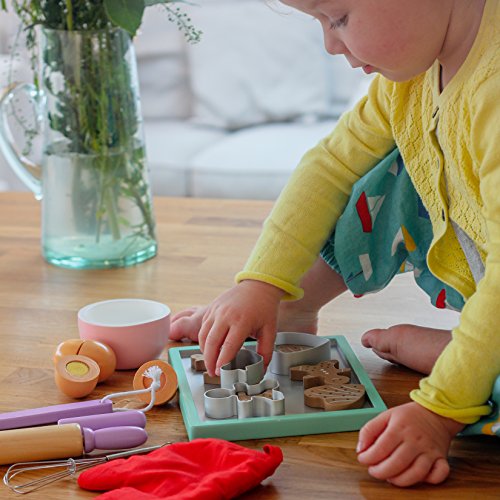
[{"x": 313, "y": 385}]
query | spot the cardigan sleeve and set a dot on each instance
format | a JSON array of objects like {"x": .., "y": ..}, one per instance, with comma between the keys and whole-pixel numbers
[
  {"x": 317, "y": 192},
  {"x": 462, "y": 379}
]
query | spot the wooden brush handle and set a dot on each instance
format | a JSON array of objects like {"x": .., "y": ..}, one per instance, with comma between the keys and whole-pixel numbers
[{"x": 40, "y": 443}]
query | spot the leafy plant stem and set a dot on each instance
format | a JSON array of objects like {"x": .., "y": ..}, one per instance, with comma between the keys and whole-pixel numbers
[
  {"x": 85, "y": 75},
  {"x": 104, "y": 149},
  {"x": 69, "y": 14}
]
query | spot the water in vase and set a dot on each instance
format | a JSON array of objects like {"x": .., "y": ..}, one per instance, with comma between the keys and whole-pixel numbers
[{"x": 96, "y": 210}]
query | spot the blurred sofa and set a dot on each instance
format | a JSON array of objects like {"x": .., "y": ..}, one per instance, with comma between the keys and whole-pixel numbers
[{"x": 232, "y": 115}]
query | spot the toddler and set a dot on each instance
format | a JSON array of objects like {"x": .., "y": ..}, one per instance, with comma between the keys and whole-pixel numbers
[{"x": 408, "y": 180}]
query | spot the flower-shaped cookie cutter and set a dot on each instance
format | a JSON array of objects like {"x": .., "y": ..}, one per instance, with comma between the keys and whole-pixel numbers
[
  {"x": 247, "y": 367},
  {"x": 245, "y": 400},
  {"x": 302, "y": 349}
]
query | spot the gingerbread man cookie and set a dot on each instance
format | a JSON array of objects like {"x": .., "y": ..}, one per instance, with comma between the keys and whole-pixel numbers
[
  {"x": 324, "y": 373},
  {"x": 327, "y": 386}
]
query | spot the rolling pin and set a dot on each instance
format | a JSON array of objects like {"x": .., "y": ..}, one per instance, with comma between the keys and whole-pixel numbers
[
  {"x": 51, "y": 414},
  {"x": 64, "y": 441}
]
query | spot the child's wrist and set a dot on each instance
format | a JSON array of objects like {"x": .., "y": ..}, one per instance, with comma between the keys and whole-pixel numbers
[
  {"x": 452, "y": 426},
  {"x": 261, "y": 287}
]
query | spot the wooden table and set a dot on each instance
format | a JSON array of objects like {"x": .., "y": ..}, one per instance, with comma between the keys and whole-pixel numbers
[{"x": 202, "y": 244}]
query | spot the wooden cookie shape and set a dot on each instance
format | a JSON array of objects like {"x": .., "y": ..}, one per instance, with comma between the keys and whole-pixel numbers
[
  {"x": 324, "y": 373},
  {"x": 208, "y": 380},
  {"x": 198, "y": 365},
  {"x": 335, "y": 397},
  {"x": 243, "y": 396}
]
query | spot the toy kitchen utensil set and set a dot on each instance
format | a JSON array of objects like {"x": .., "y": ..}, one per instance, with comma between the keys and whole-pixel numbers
[
  {"x": 84, "y": 426},
  {"x": 127, "y": 333},
  {"x": 313, "y": 385},
  {"x": 109, "y": 331}
]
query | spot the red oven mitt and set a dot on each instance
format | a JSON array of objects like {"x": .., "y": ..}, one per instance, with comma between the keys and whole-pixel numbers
[{"x": 203, "y": 469}]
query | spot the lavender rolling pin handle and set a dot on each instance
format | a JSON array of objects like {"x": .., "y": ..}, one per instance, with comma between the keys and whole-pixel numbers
[
  {"x": 113, "y": 438},
  {"x": 134, "y": 418},
  {"x": 51, "y": 414}
]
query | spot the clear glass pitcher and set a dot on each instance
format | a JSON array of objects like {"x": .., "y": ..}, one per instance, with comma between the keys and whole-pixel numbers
[{"x": 97, "y": 208}]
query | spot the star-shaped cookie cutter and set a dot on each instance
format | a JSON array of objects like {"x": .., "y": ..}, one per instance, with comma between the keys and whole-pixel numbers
[{"x": 245, "y": 400}]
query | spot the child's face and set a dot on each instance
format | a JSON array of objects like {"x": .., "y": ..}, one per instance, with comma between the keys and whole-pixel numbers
[{"x": 397, "y": 38}]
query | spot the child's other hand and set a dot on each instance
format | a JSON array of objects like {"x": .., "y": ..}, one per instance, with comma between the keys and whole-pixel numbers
[
  {"x": 407, "y": 444},
  {"x": 186, "y": 324},
  {"x": 249, "y": 309}
]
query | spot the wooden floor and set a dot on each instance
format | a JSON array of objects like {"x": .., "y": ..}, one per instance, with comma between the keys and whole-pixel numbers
[{"x": 202, "y": 244}]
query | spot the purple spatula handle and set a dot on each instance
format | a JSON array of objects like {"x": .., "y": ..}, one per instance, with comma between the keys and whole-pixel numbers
[
  {"x": 134, "y": 418},
  {"x": 51, "y": 414},
  {"x": 113, "y": 438}
]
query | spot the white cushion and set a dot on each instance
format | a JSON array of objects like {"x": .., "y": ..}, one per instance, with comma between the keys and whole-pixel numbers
[
  {"x": 164, "y": 87},
  {"x": 256, "y": 65},
  {"x": 16, "y": 69},
  {"x": 343, "y": 81},
  {"x": 9, "y": 25},
  {"x": 162, "y": 67},
  {"x": 254, "y": 162},
  {"x": 170, "y": 146}
]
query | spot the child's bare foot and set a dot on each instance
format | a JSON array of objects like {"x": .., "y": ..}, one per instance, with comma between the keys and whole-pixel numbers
[
  {"x": 413, "y": 346},
  {"x": 186, "y": 324}
]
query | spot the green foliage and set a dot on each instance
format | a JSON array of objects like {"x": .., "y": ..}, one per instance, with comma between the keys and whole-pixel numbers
[
  {"x": 91, "y": 93},
  {"x": 87, "y": 15},
  {"x": 91, "y": 99},
  {"x": 125, "y": 13}
]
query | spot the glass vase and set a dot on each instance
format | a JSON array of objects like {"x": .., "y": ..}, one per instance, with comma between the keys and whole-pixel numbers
[{"x": 97, "y": 209}]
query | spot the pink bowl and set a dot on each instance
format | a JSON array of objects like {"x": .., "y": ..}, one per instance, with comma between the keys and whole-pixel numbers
[{"x": 136, "y": 329}]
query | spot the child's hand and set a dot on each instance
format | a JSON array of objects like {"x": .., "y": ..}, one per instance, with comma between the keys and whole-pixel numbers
[
  {"x": 249, "y": 309},
  {"x": 407, "y": 444},
  {"x": 186, "y": 324}
]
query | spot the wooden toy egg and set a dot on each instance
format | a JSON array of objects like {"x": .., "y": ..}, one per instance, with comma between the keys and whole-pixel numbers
[
  {"x": 102, "y": 354},
  {"x": 168, "y": 382},
  {"x": 76, "y": 375}
]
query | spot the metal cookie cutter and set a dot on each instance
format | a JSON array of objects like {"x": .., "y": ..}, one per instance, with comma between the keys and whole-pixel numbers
[
  {"x": 312, "y": 350},
  {"x": 247, "y": 367},
  {"x": 245, "y": 401}
]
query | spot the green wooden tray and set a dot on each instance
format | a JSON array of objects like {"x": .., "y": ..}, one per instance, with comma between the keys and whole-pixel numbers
[{"x": 298, "y": 419}]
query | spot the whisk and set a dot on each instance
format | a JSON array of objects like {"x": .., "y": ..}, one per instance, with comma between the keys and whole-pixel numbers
[{"x": 70, "y": 468}]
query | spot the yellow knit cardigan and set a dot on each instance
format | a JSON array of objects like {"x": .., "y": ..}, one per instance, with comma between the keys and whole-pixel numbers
[{"x": 467, "y": 156}]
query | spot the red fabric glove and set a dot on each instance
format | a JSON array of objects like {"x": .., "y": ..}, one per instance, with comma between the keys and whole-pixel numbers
[{"x": 204, "y": 469}]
